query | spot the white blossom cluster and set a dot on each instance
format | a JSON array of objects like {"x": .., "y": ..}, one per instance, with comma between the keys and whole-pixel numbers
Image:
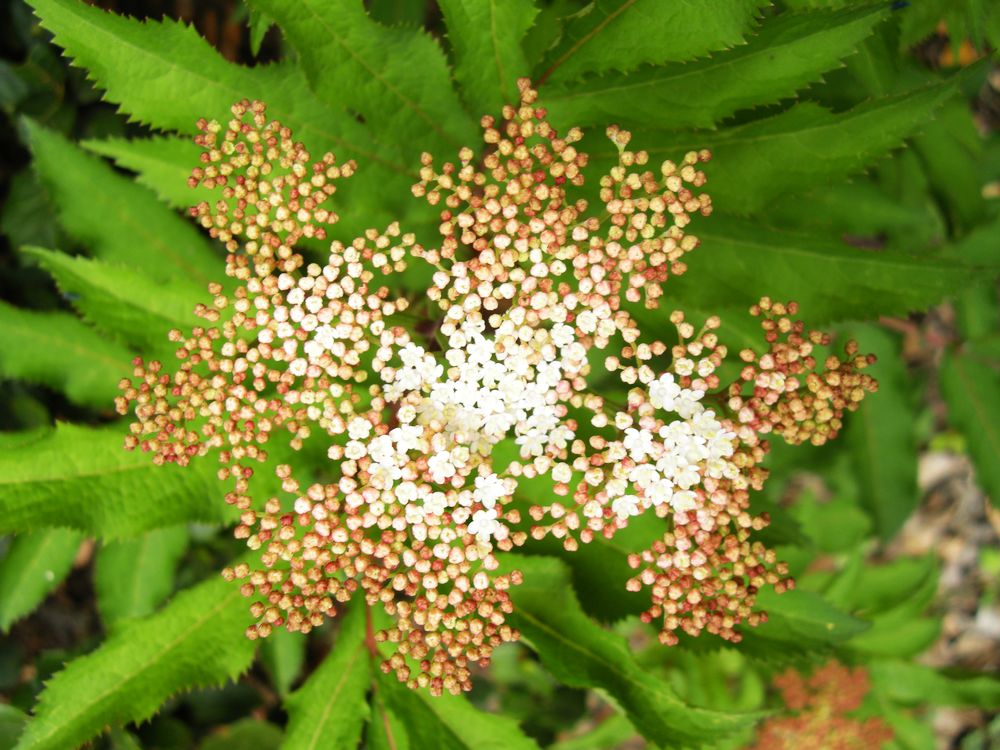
[
  {"x": 490, "y": 387},
  {"x": 654, "y": 467}
]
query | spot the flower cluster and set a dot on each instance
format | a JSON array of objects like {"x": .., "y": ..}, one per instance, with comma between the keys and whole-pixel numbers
[
  {"x": 821, "y": 706},
  {"x": 523, "y": 359}
]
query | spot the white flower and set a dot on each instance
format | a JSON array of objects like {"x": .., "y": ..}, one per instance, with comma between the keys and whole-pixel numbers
[
  {"x": 663, "y": 391},
  {"x": 359, "y": 428},
  {"x": 625, "y": 506}
]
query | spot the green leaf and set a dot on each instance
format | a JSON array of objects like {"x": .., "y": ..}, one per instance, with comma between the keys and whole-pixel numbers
[
  {"x": 580, "y": 653},
  {"x": 161, "y": 163},
  {"x": 284, "y": 654},
  {"x": 82, "y": 477},
  {"x": 121, "y": 301},
  {"x": 904, "y": 639},
  {"x": 614, "y": 731},
  {"x": 58, "y": 350},
  {"x": 485, "y": 38},
  {"x": 830, "y": 279},
  {"x": 12, "y": 721},
  {"x": 133, "y": 577},
  {"x": 34, "y": 566},
  {"x": 971, "y": 388},
  {"x": 864, "y": 211},
  {"x": 446, "y": 722},
  {"x": 395, "y": 78},
  {"x": 118, "y": 220},
  {"x": 790, "y": 52},
  {"x": 881, "y": 436},
  {"x": 195, "y": 641},
  {"x": 245, "y": 733},
  {"x": 163, "y": 74},
  {"x": 624, "y": 34},
  {"x": 753, "y": 164},
  {"x": 329, "y": 710},
  {"x": 798, "y": 621},
  {"x": 915, "y": 684},
  {"x": 260, "y": 24}
]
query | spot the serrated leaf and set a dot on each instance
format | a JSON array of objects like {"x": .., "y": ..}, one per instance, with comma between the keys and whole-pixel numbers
[
  {"x": 580, "y": 653},
  {"x": 395, "y": 78},
  {"x": 881, "y": 436},
  {"x": 283, "y": 653},
  {"x": 446, "y": 722},
  {"x": 259, "y": 24},
  {"x": 753, "y": 164},
  {"x": 118, "y": 220},
  {"x": 195, "y": 641},
  {"x": 485, "y": 38},
  {"x": 134, "y": 576},
  {"x": 161, "y": 163},
  {"x": 58, "y": 350},
  {"x": 624, "y": 34},
  {"x": 34, "y": 566},
  {"x": 790, "y": 52},
  {"x": 328, "y": 711},
  {"x": 831, "y": 280},
  {"x": 162, "y": 73},
  {"x": 123, "y": 301},
  {"x": 83, "y": 478},
  {"x": 971, "y": 388}
]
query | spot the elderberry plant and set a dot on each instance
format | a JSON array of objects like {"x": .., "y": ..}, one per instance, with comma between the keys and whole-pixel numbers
[{"x": 565, "y": 426}]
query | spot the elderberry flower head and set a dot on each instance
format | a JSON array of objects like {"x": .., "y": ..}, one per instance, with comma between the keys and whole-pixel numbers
[{"x": 432, "y": 411}]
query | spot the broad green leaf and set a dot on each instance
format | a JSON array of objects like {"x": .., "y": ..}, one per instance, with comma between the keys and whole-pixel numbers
[
  {"x": 123, "y": 301},
  {"x": 328, "y": 711},
  {"x": 118, "y": 220},
  {"x": 970, "y": 385},
  {"x": 132, "y": 577},
  {"x": 881, "y": 436},
  {"x": 915, "y": 684},
  {"x": 162, "y": 73},
  {"x": 82, "y": 477},
  {"x": 882, "y": 588},
  {"x": 395, "y": 78},
  {"x": 284, "y": 654},
  {"x": 27, "y": 215},
  {"x": 58, "y": 350},
  {"x": 831, "y": 280},
  {"x": 485, "y": 37},
  {"x": 790, "y": 52},
  {"x": 903, "y": 639},
  {"x": 446, "y": 722},
  {"x": 865, "y": 212},
  {"x": 34, "y": 566},
  {"x": 753, "y": 164},
  {"x": 798, "y": 621},
  {"x": 195, "y": 641},
  {"x": 624, "y": 34},
  {"x": 162, "y": 163},
  {"x": 580, "y": 653}
]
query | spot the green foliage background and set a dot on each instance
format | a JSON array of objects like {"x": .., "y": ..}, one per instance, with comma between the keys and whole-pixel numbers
[{"x": 849, "y": 174}]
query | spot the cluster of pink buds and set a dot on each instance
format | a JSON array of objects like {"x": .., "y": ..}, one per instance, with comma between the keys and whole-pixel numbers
[
  {"x": 790, "y": 395},
  {"x": 821, "y": 705},
  {"x": 528, "y": 323}
]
